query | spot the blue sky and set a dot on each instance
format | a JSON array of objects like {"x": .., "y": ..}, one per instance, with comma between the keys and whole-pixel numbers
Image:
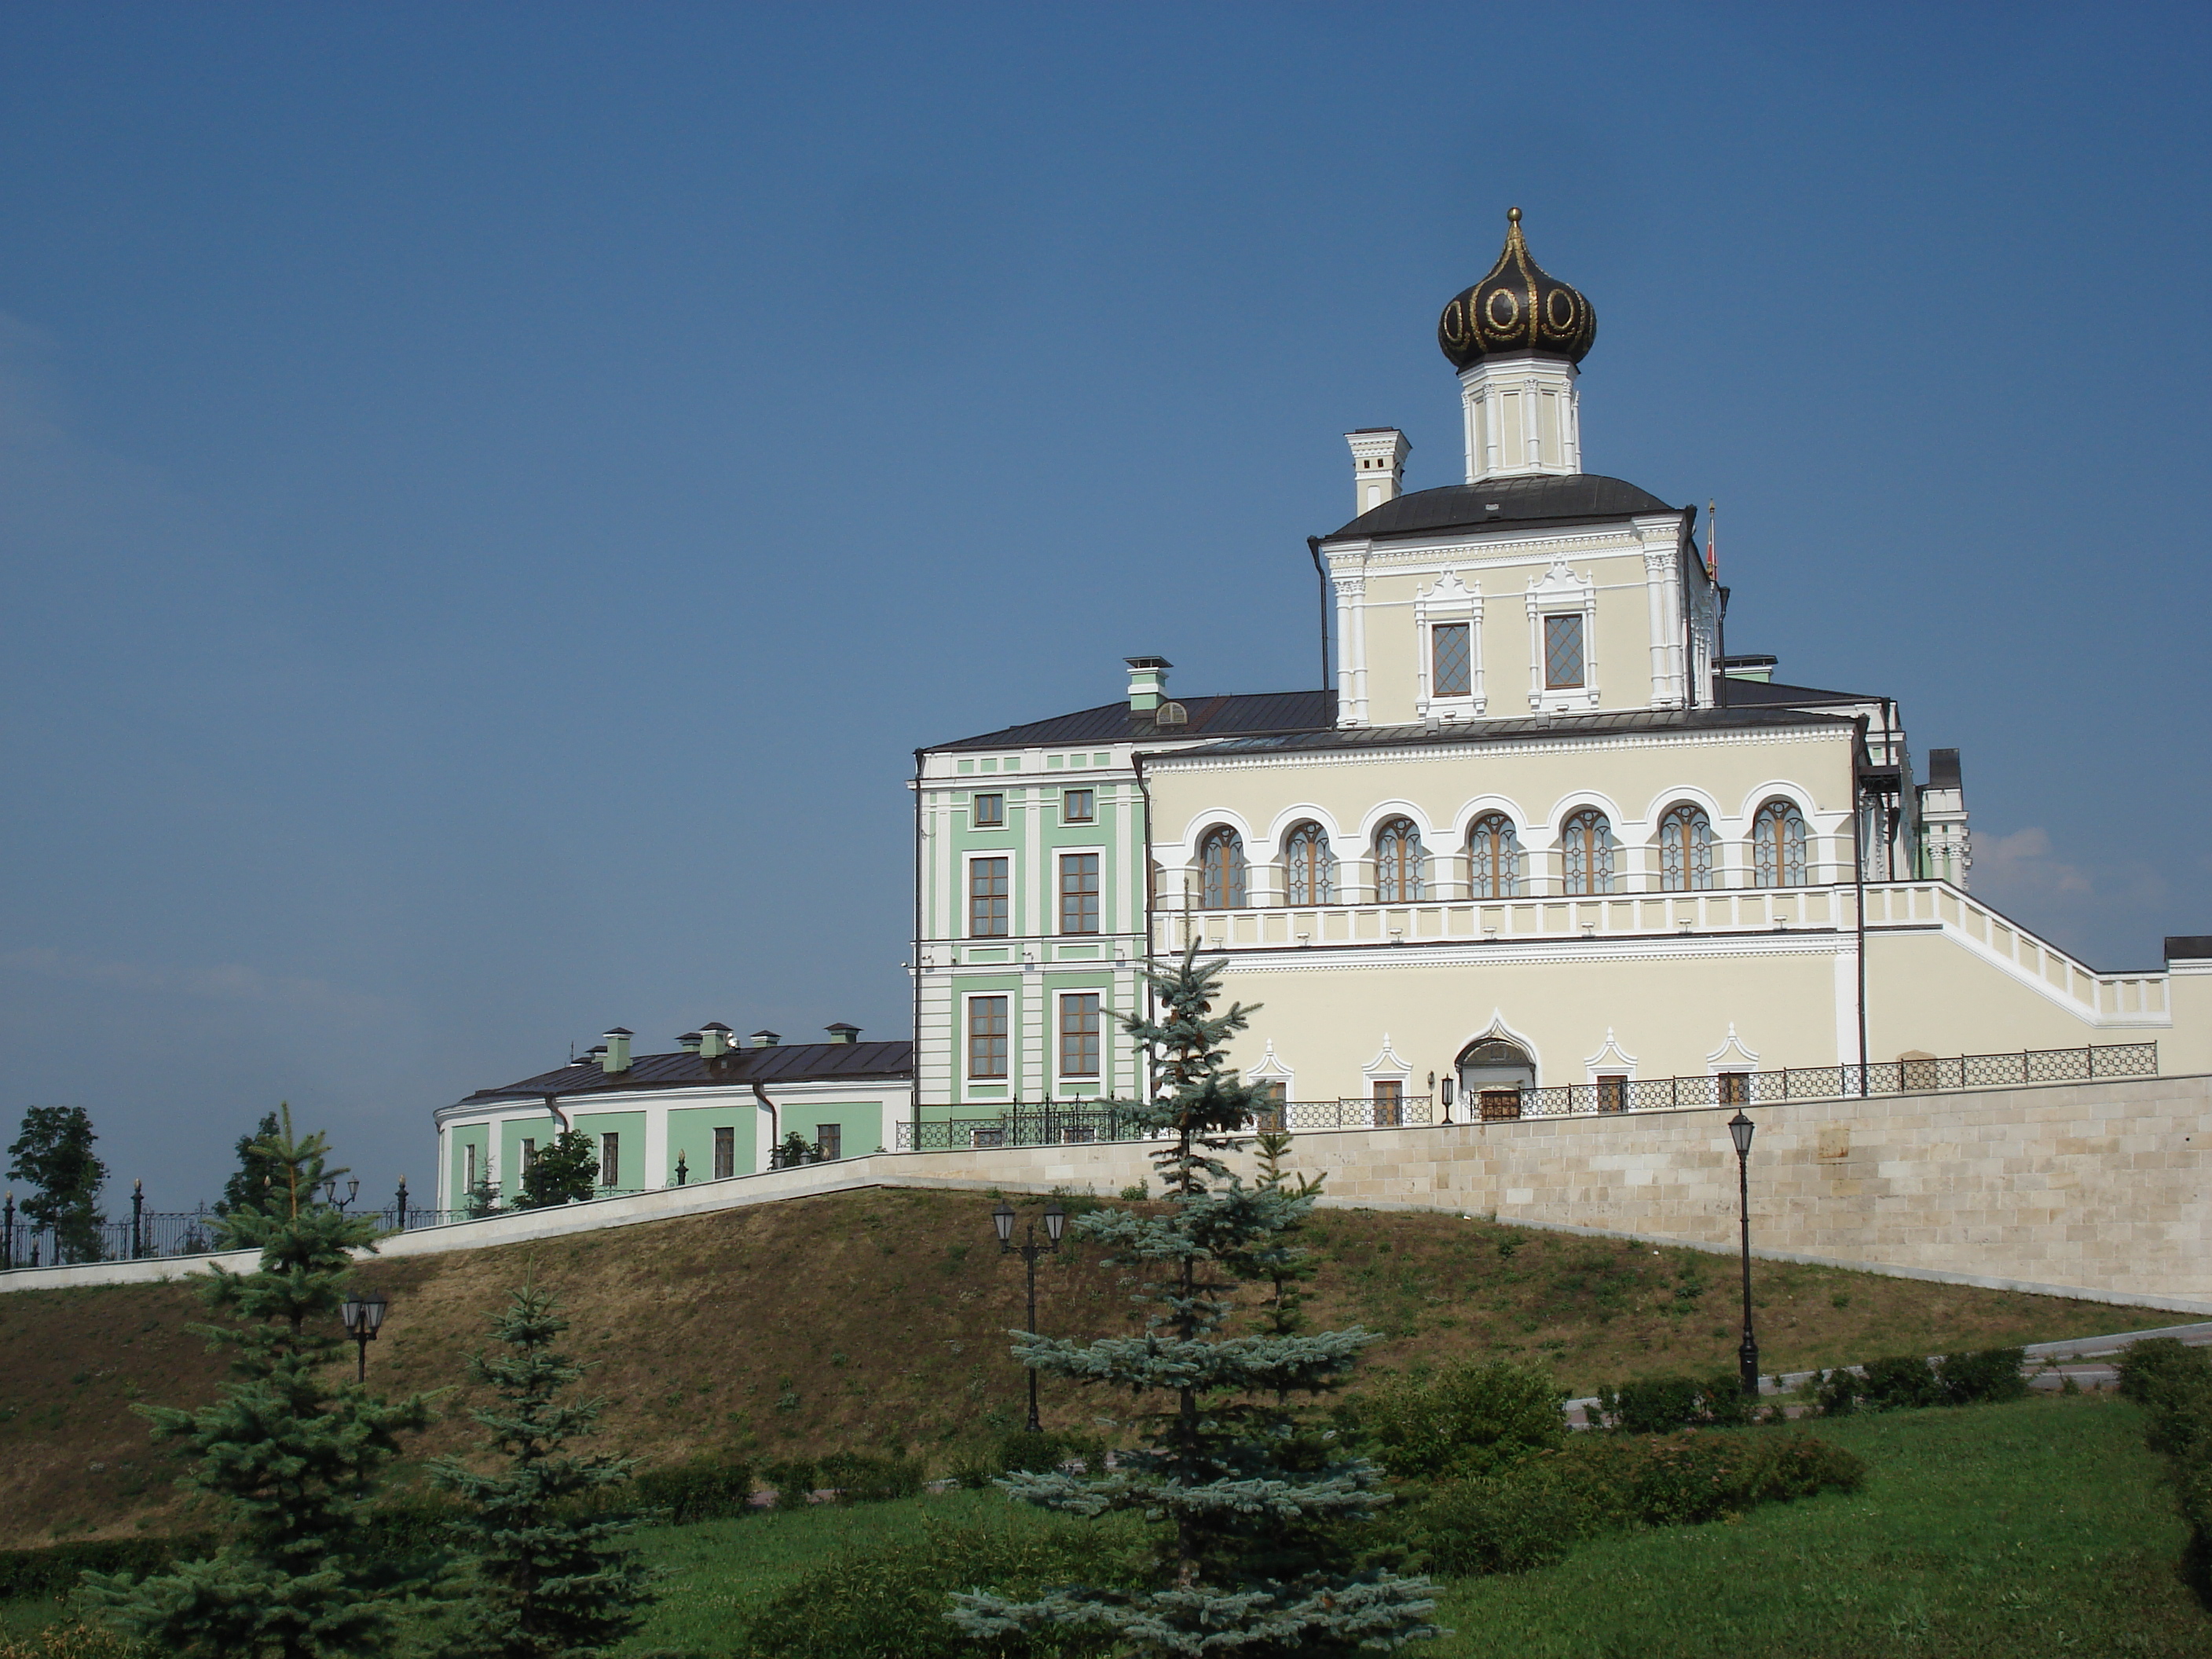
[{"x": 491, "y": 496}]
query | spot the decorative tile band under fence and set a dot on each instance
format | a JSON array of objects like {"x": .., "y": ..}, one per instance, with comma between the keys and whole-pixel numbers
[{"x": 1053, "y": 1124}]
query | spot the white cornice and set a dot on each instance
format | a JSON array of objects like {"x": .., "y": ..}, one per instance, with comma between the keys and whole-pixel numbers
[
  {"x": 1420, "y": 749},
  {"x": 1672, "y": 947}
]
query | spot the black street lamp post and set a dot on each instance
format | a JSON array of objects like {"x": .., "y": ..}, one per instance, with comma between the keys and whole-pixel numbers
[
  {"x": 363, "y": 1316},
  {"x": 1055, "y": 1218},
  {"x": 330, "y": 1192},
  {"x": 1740, "y": 1128}
]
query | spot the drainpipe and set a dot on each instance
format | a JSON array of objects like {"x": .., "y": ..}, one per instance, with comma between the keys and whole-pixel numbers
[
  {"x": 1145, "y": 853},
  {"x": 775, "y": 1128},
  {"x": 1858, "y": 882},
  {"x": 552, "y": 1107},
  {"x": 1313, "y": 547}
]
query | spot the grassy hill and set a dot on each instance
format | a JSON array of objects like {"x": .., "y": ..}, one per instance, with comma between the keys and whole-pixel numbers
[{"x": 875, "y": 1320}]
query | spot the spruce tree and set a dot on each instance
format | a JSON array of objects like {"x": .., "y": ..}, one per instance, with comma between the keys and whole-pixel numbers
[
  {"x": 1257, "y": 1553},
  {"x": 251, "y": 1183},
  {"x": 291, "y": 1453},
  {"x": 549, "y": 1576}
]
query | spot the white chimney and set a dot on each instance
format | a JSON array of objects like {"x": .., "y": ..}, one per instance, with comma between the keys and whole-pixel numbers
[{"x": 1378, "y": 466}]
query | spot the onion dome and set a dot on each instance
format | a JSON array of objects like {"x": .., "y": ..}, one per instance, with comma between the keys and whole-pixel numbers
[{"x": 1516, "y": 308}]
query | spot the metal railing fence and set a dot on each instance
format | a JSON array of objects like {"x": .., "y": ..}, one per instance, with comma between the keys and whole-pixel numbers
[
  {"x": 1058, "y": 1124},
  {"x": 146, "y": 1234}
]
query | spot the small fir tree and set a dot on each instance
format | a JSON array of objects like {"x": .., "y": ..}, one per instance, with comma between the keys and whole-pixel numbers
[
  {"x": 1286, "y": 1265},
  {"x": 565, "y": 1172},
  {"x": 549, "y": 1576},
  {"x": 53, "y": 1152},
  {"x": 292, "y": 1452},
  {"x": 251, "y": 1183},
  {"x": 1256, "y": 1558}
]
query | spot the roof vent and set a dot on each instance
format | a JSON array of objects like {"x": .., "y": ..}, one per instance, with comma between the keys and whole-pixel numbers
[
  {"x": 842, "y": 1032},
  {"x": 690, "y": 1042},
  {"x": 764, "y": 1039},
  {"x": 714, "y": 1040},
  {"x": 1171, "y": 714},
  {"x": 616, "y": 1061}
]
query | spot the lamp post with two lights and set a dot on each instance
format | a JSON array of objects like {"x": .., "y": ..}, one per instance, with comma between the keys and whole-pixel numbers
[{"x": 1055, "y": 1219}]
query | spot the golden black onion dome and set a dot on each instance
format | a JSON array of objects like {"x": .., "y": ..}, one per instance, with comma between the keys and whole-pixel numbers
[{"x": 1518, "y": 307}]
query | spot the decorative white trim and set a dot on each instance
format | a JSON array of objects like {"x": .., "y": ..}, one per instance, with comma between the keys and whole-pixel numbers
[
  {"x": 1417, "y": 748},
  {"x": 1731, "y": 1055},
  {"x": 1609, "y": 1058},
  {"x": 1388, "y": 1065},
  {"x": 1498, "y": 1031},
  {"x": 1449, "y": 600},
  {"x": 1558, "y": 593},
  {"x": 1271, "y": 1069}
]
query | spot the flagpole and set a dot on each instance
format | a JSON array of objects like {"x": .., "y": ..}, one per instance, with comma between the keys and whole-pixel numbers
[{"x": 1720, "y": 604}]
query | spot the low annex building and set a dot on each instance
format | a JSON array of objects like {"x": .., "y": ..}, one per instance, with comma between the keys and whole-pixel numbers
[
  {"x": 712, "y": 1110},
  {"x": 1538, "y": 830}
]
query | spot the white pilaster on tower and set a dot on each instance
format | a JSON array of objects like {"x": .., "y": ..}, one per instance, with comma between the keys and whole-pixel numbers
[
  {"x": 1523, "y": 417},
  {"x": 1378, "y": 465}
]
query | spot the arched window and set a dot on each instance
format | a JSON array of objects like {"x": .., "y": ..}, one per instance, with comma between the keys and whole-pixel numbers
[
  {"x": 1493, "y": 857},
  {"x": 1398, "y": 862},
  {"x": 1311, "y": 871},
  {"x": 1686, "y": 850},
  {"x": 1586, "y": 852},
  {"x": 1221, "y": 864},
  {"x": 1777, "y": 845}
]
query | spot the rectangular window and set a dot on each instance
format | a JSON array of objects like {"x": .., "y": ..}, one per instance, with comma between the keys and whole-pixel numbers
[
  {"x": 1078, "y": 893},
  {"x": 1735, "y": 1088},
  {"x": 610, "y": 1160},
  {"x": 828, "y": 1141},
  {"x": 1273, "y": 1103},
  {"x": 1079, "y": 806},
  {"x": 725, "y": 1153},
  {"x": 1613, "y": 1094},
  {"x": 987, "y": 898},
  {"x": 529, "y": 1154},
  {"x": 1563, "y": 652},
  {"x": 987, "y": 1037},
  {"x": 1390, "y": 1102},
  {"x": 987, "y": 811},
  {"x": 1079, "y": 1036},
  {"x": 469, "y": 1169},
  {"x": 1448, "y": 658}
]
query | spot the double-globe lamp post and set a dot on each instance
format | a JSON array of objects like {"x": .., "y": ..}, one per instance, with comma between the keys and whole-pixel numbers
[
  {"x": 1746, "y": 1356},
  {"x": 363, "y": 1316},
  {"x": 1055, "y": 1218}
]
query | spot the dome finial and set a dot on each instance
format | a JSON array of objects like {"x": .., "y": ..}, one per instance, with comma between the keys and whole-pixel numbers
[{"x": 1513, "y": 215}]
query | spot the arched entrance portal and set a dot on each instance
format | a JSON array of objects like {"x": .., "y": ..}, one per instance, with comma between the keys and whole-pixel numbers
[{"x": 1493, "y": 1073}]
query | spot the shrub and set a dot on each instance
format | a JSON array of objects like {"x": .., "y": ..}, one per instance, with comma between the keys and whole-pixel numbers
[
  {"x": 1463, "y": 1419},
  {"x": 793, "y": 1479},
  {"x": 1903, "y": 1383},
  {"x": 1535, "y": 1512},
  {"x": 1655, "y": 1405},
  {"x": 883, "y": 1601},
  {"x": 695, "y": 1492},
  {"x": 856, "y": 1477},
  {"x": 2175, "y": 1383}
]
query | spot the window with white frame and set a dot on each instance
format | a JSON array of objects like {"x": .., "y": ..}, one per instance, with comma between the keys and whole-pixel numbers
[
  {"x": 1448, "y": 623},
  {"x": 1777, "y": 845},
  {"x": 1586, "y": 852},
  {"x": 1078, "y": 1034},
  {"x": 986, "y": 1038},
  {"x": 1686, "y": 850},
  {"x": 989, "y": 890},
  {"x": 611, "y": 1159},
  {"x": 1221, "y": 869},
  {"x": 987, "y": 811},
  {"x": 1399, "y": 876},
  {"x": 1562, "y": 642},
  {"x": 1493, "y": 854},
  {"x": 1309, "y": 872}
]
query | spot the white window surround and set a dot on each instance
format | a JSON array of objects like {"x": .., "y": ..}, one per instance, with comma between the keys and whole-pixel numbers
[
  {"x": 1387, "y": 1066},
  {"x": 1611, "y": 1060},
  {"x": 1271, "y": 1069},
  {"x": 967, "y": 897},
  {"x": 1449, "y": 600},
  {"x": 1558, "y": 591},
  {"x": 1731, "y": 1055},
  {"x": 1001, "y": 1087}
]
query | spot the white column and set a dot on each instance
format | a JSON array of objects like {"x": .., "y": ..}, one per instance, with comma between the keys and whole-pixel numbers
[
  {"x": 656, "y": 1147},
  {"x": 1654, "y": 576}
]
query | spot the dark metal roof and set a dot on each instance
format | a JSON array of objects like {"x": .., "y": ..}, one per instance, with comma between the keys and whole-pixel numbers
[
  {"x": 1770, "y": 694},
  {"x": 1481, "y": 732},
  {"x": 1576, "y": 497},
  {"x": 785, "y": 1063},
  {"x": 1210, "y": 717},
  {"x": 2188, "y": 947}
]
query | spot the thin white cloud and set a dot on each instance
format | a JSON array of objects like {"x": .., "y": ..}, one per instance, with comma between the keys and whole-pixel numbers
[{"x": 223, "y": 983}]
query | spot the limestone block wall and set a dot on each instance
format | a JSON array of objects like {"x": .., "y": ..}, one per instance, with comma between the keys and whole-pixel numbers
[{"x": 2093, "y": 1190}]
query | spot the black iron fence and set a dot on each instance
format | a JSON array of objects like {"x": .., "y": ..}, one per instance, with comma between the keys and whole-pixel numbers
[
  {"x": 145, "y": 1234},
  {"x": 1054, "y": 1124}
]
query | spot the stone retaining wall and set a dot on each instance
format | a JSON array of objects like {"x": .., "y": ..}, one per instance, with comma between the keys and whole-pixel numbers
[{"x": 2090, "y": 1190}]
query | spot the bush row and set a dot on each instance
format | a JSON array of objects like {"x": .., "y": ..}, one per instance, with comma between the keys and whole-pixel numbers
[
  {"x": 1536, "y": 1511},
  {"x": 1905, "y": 1383},
  {"x": 2174, "y": 1382}
]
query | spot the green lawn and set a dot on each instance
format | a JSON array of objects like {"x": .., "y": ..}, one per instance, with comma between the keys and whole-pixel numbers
[
  {"x": 2042, "y": 1528},
  {"x": 2039, "y": 1529}
]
